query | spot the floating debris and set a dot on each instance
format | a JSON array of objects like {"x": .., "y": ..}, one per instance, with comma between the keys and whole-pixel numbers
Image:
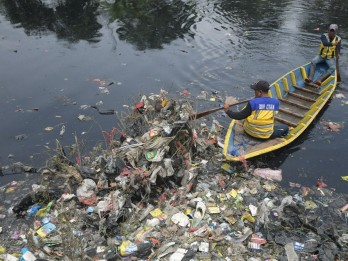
[
  {"x": 49, "y": 129},
  {"x": 160, "y": 190},
  {"x": 21, "y": 137},
  {"x": 340, "y": 96},
  {"x": 62, "y": 130},
  {"x": 82, "y": 117},
  {"x": 335, "y": 127}
]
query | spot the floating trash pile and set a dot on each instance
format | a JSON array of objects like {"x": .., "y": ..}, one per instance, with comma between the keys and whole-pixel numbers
[{"x": 162, "y": 191}]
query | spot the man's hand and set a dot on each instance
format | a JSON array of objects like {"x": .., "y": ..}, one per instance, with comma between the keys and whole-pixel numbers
[
  {"x": 226, "y": 107},
  {"x": 228, "y": 102}
]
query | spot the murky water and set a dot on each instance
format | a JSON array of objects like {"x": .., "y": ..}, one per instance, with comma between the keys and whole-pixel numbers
[{"x": 52, "y": 51}]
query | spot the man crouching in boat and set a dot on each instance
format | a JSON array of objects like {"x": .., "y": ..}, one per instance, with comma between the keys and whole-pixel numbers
[
  {"x": 259, "y": 113},
  {"x": 330, "y": 46}
]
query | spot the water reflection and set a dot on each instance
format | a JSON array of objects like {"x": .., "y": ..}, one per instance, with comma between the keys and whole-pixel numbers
[
  {"x": 151, "y": 24},
  {"x": 252, "y": 13},
  {"x": 70, "y": 20},
  {"x": 323, "y": 13}
]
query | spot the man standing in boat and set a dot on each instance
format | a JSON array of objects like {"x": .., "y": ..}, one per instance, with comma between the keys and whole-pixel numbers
[
  {"x": 329, "y": 51},
  {"x": 259, "y": 114}
]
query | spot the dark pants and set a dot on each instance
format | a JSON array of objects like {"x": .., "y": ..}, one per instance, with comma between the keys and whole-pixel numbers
[{"x": 280, "y": 130}]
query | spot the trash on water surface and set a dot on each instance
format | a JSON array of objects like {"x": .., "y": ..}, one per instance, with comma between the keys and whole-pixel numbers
[
  {"x": 332, "y": 126},
  {"x": 82, "y": 117},
  {"x": 202, "y": 95},
  {"x": 159, "y": 189},
  {"x": 290, "y": 252},
  {"x": 299, "y": 246},
  {"x": 345, "y": 178},
  {"x": 49, "y": 129},
  {"x": 340, "y": 96},
  {"x": 33, "y": 210},
  {"x": 46, "y": 229},
  {"x": 128, "y": 248},
  {"x": 27, "y": 255},
  {"x": 226, "y": 167},
  {"x": 62, "y": 130},
  {"x": 181, "y": 219},
  {"x": 204, "y": 247},
  {"x": 268, "y": 173},
  {"x": 185, "y": 93},
  {"x": 21, "y": 137}
]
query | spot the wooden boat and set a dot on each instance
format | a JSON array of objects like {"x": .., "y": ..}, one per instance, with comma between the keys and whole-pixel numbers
[{"x": 299, "y": 105}]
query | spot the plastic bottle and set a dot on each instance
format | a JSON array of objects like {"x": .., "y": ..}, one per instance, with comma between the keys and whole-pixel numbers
[{"x": 33, "y": 210}]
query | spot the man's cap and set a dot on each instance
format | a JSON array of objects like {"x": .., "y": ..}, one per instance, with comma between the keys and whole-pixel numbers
[
  {"x": 333, "y": 27},
  {"x": 260, "y": 86}
]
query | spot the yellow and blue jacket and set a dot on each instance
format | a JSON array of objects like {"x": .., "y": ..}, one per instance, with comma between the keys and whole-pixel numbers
[
  {"x": 327, "y": 50},
  {"x": 258, "y": 116}
]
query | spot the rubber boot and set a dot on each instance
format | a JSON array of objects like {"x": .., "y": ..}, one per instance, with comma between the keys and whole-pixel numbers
[
  {"x": 322, "y": 78},
  {"x": 311, "y": 74}
]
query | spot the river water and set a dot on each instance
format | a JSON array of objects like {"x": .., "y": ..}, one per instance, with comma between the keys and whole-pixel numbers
[{"x": 52, "y": 52}]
